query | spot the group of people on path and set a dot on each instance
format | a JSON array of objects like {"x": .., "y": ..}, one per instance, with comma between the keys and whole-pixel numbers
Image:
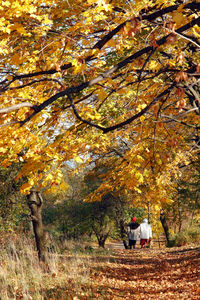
[{"x": 139, "y": 232}]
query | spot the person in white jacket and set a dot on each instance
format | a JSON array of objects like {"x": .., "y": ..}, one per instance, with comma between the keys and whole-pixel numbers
[{"x": 145, "y": 234}]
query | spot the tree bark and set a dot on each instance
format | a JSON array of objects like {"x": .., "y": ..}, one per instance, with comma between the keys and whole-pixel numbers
[
  {"x": 165, "y": 226},
  {"x": 123, "y": 234},
  {"x": 101, "y": 241},
  {"x": 35, "y": 201},
  {"x": 149, "y": 212}
]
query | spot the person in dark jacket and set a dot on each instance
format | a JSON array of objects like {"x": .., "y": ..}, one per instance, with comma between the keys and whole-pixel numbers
[{"x": 133, "y": 233}]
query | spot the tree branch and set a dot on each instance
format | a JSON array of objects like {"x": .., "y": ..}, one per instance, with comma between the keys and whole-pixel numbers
[
  {"x": 17, "y": 106},
  {"x": 174, "y": 119},
  {"x": 36, "y": 81},
  {"x": 106, "y": 38},
  {"x": 79, "y": 117},
  {"x": 107, "y": 74},
  {"x": 9, "y": 123},
  {"x": 149, "y": 17},
  {"x": 142, "y": 112}
]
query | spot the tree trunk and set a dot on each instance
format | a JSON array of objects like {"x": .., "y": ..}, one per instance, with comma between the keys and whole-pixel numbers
[
  {"x": 149, "y": 212},
  {"x": 35, "y": 201},
  {"x": 101, "y": 236},
  {"x": 101, "y": 242},
  {"x": 165, "y": 226},
  {"x": 123, "y": 233}
]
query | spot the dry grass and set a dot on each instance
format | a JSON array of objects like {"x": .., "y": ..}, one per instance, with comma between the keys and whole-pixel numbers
[{"x": 23, "y": 277}]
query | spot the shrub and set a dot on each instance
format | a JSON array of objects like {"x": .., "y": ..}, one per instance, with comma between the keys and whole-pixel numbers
[
  {"x": 194, "y": 233},
  {"x": 187, "y": 236}
]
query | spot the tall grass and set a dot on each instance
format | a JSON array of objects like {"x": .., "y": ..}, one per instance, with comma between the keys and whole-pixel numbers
[{"x": 22, "y": 276}]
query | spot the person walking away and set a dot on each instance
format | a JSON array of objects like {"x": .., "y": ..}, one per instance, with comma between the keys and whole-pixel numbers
[
  {"x": 145, "y": 234},
  {"x": 133, "y": 233}
]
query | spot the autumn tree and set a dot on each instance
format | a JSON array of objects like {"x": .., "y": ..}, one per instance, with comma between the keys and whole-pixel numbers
[
  {"x": 83, "y": 75},
  {"x": 184, "y": 210}
]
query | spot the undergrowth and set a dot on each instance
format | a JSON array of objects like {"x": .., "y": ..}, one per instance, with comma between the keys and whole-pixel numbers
[
  {"x": 22, "y": 276},
  {"x": 187, "y": 236}
]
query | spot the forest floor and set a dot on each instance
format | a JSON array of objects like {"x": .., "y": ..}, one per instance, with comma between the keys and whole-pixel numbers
[
  {"x": 141, "y": 274},
  {"x": 82, "y": 272}
]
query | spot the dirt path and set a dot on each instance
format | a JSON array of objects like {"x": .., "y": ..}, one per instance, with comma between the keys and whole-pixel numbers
[{"x": 147, "y": 274}]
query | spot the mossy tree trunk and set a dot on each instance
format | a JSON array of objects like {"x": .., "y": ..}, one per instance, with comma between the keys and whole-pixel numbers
[{"x": 35, "y": 202}]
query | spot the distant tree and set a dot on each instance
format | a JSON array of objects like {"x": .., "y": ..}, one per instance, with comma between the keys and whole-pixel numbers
[{"x": 184, "y": 209}]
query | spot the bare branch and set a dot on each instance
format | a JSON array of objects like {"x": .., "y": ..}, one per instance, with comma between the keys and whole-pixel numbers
[
  {"x": 192, "y": 90},
  {"x": 186, "y": 38},
  {"x": 9, "y": 123},
  {"x": 174, "y": 119},
  {"x": 16, "y": 107},
  {"x": 36, "y": 81}
]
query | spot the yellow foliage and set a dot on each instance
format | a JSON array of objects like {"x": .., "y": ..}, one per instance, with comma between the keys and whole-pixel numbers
[
  {"x": 78, "y": 160},
  {"x": 114, "y": 61},
  {"x": 179, "y": 18}
]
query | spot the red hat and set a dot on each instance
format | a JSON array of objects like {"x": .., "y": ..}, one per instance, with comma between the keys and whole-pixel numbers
[{"x": 133, "y": 219}]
